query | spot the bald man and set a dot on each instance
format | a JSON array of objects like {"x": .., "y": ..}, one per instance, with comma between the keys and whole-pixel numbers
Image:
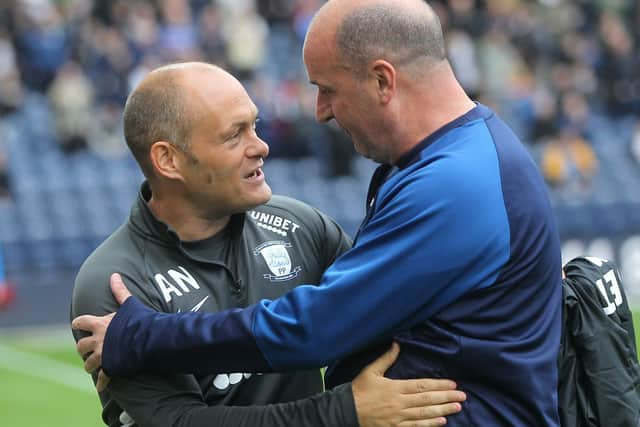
[
  {"x": 458, "y": 256},
  {"x": 206, "y": 235}
]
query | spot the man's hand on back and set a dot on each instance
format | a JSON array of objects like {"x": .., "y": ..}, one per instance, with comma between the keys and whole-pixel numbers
[
  {"x": 382, "y": 402},
  {"x": 379, "y": 401}
]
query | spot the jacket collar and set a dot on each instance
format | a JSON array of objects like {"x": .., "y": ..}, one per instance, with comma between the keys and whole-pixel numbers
[
  {"x": 145, "y": 223},
  {"x": 478, "y": 112}
]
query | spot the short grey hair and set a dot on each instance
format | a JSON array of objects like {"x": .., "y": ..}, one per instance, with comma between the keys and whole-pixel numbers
[
  {"x": 383, "y": 31},
  {"x": 157, "y": 112}
]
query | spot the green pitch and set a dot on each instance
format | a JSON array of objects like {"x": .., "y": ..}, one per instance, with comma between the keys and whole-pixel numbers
[
  {"x": 42, "y": 383},
  {"x": 636, "y": 325}
]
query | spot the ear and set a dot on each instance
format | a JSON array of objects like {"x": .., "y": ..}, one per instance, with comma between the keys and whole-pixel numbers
[
  {"x": 166, "y": 160},
  {"x": 384, "y": 74}
]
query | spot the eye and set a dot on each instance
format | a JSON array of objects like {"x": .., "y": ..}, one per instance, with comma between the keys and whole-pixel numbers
[{"x": 233, "y": 137}]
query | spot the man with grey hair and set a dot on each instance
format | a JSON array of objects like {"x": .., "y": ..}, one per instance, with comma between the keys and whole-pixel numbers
[
  {"x": 457, "y": 259},
  {"x": 203, "y": 236}
]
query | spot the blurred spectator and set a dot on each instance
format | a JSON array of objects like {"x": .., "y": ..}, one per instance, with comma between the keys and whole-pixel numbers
[
  {"x": 329, "y": 143},
  {"x": 340, "y": 154},
  {"x": 499, "y": 61},
  {"x": 41, "y": 40},
  {"x": 246, "y": 33},
  {"x": 72, "y": 103},
  {"x": 178, "y": 35},
  {"x": 463, "y": 58},
  {"x": 619, "y": 66},
  {"x": 210, "y": 34},
  {"x": 141, "y": 29},
  {"x": 109, "y": 64},
  {"x": 575, "y": 112},
  {"x": 545, "y": 112},
  {"x": 467, "y": 16},
  {"x": 276, "y": 11},
  {"x": 107, "y": 137},
  {"x": 568, "y": 162}
]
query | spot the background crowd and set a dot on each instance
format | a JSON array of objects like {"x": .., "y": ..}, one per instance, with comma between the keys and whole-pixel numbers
[{"x": 565, "y": 74}]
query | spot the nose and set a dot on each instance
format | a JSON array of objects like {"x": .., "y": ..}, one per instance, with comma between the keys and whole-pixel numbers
[
  {"x": 258, "y": 148},
  {"x": 324, "y": 113}
]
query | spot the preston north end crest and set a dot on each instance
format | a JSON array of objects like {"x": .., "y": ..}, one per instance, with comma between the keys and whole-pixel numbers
[{"x": 277, "y": 258}]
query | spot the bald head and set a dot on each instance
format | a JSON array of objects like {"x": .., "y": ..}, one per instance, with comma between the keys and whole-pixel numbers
[
  {"x": 164, "y": 107},
  {"x": 403, "y": 32}
]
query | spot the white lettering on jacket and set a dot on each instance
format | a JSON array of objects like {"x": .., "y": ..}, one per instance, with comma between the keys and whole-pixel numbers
[
  {"x": 183, "y": 279},
  {"x": 223, "y": 381},
  {"x": 274, "y": 223}
]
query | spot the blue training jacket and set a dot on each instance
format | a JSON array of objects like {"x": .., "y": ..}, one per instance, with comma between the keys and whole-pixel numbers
[{"x": 458, "y": 260}]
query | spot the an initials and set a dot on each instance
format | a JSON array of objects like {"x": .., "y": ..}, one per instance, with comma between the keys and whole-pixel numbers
[{"x": 182, "y": 279}]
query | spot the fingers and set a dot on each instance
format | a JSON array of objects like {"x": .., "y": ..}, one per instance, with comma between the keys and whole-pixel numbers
[
  {"x": 431, "y": 408},
  {"x": 103, "y": 381},
  {"x": 434, "y": 422},
  {"x": 431, "y": 413},
  {"x": 433, "y": 398},
  {"x": 384, "y": 362},
  {"x": 85, "y": 323},
  {"x": 126, "y": 420},
  {"x": 91, "y": 346},
  {"x": 93, "y": 362},
  {"x": 423, "y": 385},
  {"x": 118, "y": 288},
  {"x": 86, "y": 345}
]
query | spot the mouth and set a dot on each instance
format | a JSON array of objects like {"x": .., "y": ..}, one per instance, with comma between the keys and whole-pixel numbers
[{"x": 255, "y": 174}]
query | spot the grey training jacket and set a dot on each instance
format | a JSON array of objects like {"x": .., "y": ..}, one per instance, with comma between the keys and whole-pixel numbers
[{"x": 269, "y": 250}]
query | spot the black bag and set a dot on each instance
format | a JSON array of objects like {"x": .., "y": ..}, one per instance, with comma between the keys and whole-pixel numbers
[{"x": 599, "y": 375}]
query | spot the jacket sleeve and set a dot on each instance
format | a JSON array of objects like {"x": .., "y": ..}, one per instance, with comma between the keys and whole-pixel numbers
[
  {"x": 176, "y": 400},
  {"x": 428, "y": 243}
]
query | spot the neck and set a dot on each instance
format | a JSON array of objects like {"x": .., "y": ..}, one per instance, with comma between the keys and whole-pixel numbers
[
  {"x": 187, "y": 222},
  {"x": 432, "y": 103}
]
